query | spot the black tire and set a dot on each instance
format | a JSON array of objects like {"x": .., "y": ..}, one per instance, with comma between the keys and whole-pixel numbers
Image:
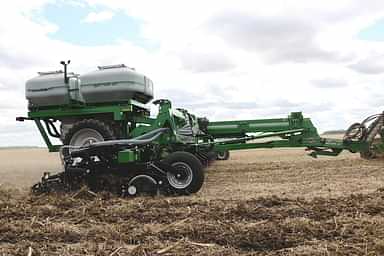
[
  {"x": 105, "y": 132},
  {"x": 212, "y": 156},
  {"x": 100, "y": 127},
  {"x": 223, "y": 155},
  {"x": 190, "y": 164},
  {"x": 205, "y": 158}
]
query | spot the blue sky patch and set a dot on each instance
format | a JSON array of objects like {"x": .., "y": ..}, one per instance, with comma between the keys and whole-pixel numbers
[
  {"x": 72, "y": 28},
  {"x": 374, "y": 32}
]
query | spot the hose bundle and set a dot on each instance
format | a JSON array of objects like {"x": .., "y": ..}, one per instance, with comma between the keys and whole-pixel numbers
[{"x": 360, "y": 131}]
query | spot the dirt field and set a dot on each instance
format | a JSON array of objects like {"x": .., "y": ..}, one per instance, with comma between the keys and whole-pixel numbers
[{"x": 261, "y": 202}]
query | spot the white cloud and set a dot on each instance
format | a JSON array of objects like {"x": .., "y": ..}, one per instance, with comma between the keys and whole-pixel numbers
[
  {"x": 197, "y": 61},
  {"x": 330, "y": 83},
  {"x": 371, "y": 65},
  {"x": 94, "y": 17},
  {"x": 278, "y": 38}
]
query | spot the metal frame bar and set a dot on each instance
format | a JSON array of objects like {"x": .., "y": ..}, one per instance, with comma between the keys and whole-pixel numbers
[
  {"x": 51, "y": 147},
  {"x": 117, "y": 111}
]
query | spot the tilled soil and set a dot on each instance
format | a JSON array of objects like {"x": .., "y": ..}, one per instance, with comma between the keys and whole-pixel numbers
[
  {"x": 257, "y": 203},
  {"x": 63, "y": 225}
]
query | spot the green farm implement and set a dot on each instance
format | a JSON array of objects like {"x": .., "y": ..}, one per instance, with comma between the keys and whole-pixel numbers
[{"x": 109, "y": 141}]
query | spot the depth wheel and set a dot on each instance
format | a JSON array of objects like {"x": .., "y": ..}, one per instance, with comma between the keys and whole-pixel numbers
[
  {"x": 223, "y": 155},
  {"x": 187, "y": 176},
  {"x": 142, "y": 184}
]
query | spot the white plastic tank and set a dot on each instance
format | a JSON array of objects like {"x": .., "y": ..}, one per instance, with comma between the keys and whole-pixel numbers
[
  {"x": 50, "y": 89},
  {"x": 116, "y": 83}
]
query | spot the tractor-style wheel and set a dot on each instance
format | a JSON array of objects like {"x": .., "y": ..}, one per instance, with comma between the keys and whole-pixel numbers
[
  {"x": 223, "y": 155},
  {"x": 187, "y": 175},
  {"x": 86, "y": 132}
]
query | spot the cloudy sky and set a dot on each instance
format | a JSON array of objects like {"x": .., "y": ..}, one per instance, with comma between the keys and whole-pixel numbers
[{"x": 221, "y": 59}]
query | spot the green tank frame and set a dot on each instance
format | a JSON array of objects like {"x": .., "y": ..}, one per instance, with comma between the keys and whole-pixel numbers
[{"x": 120, "y": 112}]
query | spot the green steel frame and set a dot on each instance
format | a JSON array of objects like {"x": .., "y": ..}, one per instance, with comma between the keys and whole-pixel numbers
[{"x": 293, "y": 131}]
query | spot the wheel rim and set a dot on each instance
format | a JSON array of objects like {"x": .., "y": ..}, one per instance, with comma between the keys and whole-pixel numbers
[
  {"x": 85, "y": 137},
  {"x": 182, "y": 176},
  {"x": 221, "y": 155},
  {"x": 141, "y": 184}
]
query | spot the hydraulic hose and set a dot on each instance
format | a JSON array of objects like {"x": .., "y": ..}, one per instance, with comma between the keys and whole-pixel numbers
[
  {"x": 140, "y": 140},
  {"x": 361, "y": 131}
]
